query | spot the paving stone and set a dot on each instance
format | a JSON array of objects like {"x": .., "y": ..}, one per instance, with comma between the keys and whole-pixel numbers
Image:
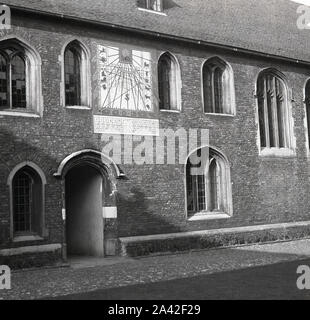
[{"x": 42, "y": 283}]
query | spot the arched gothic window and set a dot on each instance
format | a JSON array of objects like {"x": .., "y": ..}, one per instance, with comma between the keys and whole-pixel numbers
[
  {"x": 27, "y": 200},
  {"x": 169, "y": 82},
  {"x": 273, "y": 110},
  {"x": 20, "y": 77},
  {"x": 208, "y": 183},
  {"x": 12, "y": 78},
  {"x": 76, "y": 75},
  {"x": 218, "y": 87}
]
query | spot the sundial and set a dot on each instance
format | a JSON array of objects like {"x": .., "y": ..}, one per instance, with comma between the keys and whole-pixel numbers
[{"x": 125, "y": 78}]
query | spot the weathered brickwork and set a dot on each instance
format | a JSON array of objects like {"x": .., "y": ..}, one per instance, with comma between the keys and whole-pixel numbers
[{"x": 152, "y": 198}]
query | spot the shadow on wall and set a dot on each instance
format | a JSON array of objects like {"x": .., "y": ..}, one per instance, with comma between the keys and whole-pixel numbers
[
  {"x": 136, "y": 213},
  {"x": 15, "y": 150},
  {"x": 136, "y": 216}
]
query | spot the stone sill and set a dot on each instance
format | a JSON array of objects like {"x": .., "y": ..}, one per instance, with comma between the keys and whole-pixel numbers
[
  {"x": 27, "y": 238},
  {"x": 78, "y": 108},
  {"x": 19, "y": 114},
  {"x": 30, "y": 250},
  {"x": 172, "y": 111},
  {"x": 277, "y": 152},
  {"x": 220, "y": 114},
  {"x": 209, "y": 216}
]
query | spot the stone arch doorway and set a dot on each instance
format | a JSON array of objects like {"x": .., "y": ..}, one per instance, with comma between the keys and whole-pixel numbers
[
  {"x": 84, "y": 202},
  {"x": 89, "y": 180}
]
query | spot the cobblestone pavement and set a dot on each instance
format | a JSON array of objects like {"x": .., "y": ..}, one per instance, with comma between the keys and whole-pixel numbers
[{"x": 112, "y": 273}]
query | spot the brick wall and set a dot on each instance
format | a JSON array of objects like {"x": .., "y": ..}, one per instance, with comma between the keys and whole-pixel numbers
[{"x": 151, "y": 200}]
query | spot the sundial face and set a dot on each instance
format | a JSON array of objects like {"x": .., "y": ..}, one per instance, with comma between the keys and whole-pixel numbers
[{"x": 125, "y": 78}]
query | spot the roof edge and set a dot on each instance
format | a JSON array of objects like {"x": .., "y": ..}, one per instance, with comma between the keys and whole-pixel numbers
[{"x": 152, "y": 34}]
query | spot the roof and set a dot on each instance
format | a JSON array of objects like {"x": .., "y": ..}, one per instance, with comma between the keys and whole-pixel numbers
[{"x": 268, "y": 26}]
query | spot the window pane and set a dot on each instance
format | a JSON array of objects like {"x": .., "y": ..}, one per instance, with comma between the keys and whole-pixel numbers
[
  {"x": 150, "y": 4},
  {"x": 190, "y": 190},
  {"x": 214, "y": 184},
  {"x": 270, "y": 97},
  {"x": 207, "y": 89},
  {"x": 164, "y": 70},
  {"x": 201, "y": 193},
  {"x": 22, "y": 201},
  {"x": 155, "y": 5},
  {"x": 272, "y": 104},
  {"x": 18, "y": 82},
  {"x": 72, "y": 78},
  {"x": 261, "y": 96},
  {"x": 196, "y": 188},
  {"x": 213, "y": 90},
  {"x": 218, "y": 92},
  {"x": 280, "y": 112},
  {"x": 4, "y": 96}
]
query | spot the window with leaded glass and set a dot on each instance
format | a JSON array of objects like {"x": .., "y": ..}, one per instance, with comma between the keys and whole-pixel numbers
[
  {"x": 76, "y": 75},
  {"x": 208, "y": 189},
  {"x": 218, "y": 87},
  {"x": 273, "y": 111},
  {"x": 73, "y": 77},
  {"x": 27, "y": 202},
  {"x": 4, "y": 77},
  {"x": 12, "y": 79},
  {"x": 169, "y": 83}
]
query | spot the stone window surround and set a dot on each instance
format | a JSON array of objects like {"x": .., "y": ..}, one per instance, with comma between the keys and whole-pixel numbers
[
  {"x": 273, "y": 152},
  {"x": 226, "y": 187},
  {"x": 33, "y": 81},
  {"x": 229, "y": 99},
  {"x": 176, "y": 89}
]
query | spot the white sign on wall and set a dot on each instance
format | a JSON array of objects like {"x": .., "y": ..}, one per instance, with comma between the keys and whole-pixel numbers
[
  {"x": 124, "y": 125},
  {"x": 125, "y": 78}
]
